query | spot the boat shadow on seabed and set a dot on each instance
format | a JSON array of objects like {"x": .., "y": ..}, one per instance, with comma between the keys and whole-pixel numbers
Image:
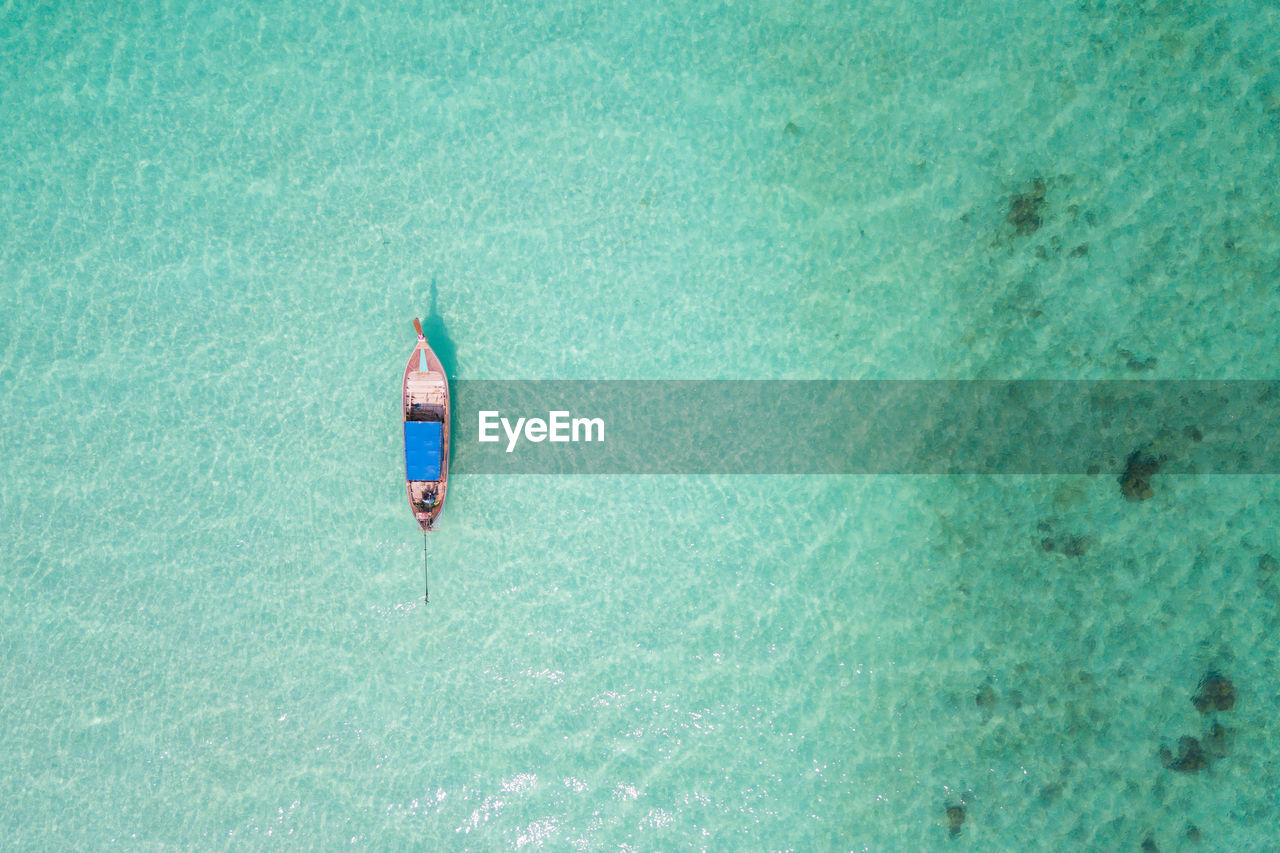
[{"x": 437, "y": 334}]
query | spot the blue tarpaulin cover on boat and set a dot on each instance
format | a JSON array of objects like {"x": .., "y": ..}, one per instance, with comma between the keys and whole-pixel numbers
[{"x": 422, "y": 450}]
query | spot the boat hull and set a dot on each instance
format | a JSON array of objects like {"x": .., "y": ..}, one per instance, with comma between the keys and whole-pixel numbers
[{"x": 424, "y": 396}]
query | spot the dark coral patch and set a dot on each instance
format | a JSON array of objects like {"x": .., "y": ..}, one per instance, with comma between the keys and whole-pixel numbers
[
  {"x": 1190, "y": 757},
  {"x": 1024, "y": 209},
  {"x": 1215, "y": 693},
  {"x": 955, "y": 819},
  {"x": 1136, "y": 364},
  {"x": 1071, "y": 546},
  {"x": 1050, "y": 793},
  {"x": 1139, "y": 468}
]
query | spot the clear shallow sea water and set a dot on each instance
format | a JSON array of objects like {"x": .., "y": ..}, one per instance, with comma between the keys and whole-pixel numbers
[{"x": 217, "y": 221}]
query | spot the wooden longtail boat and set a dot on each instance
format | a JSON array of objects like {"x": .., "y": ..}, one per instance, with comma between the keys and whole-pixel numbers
[{"x": 425, "y": 400}]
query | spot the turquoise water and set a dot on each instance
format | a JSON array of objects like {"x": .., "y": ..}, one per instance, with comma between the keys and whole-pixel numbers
[{"x": 217, "y": 223}]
